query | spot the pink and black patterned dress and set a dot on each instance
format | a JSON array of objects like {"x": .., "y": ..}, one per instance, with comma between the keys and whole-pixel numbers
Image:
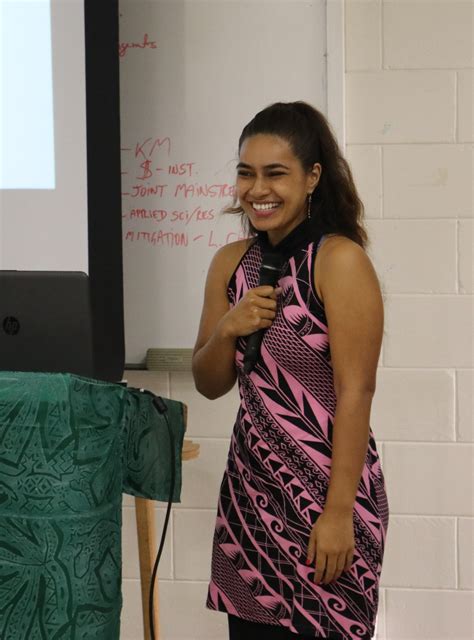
[{"x": 277, "y": 476}]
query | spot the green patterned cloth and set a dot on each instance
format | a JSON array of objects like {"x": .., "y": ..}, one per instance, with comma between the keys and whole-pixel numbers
[{"x": 69, "y": 446}]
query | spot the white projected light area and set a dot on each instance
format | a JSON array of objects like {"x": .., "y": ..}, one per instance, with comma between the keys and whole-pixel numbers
[
  {"x": 26, "y": 96},
  {"x": 43, "y": 143}
]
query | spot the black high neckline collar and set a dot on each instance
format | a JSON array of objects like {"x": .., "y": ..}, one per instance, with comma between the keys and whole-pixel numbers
[{"x": 298, "y": 238}]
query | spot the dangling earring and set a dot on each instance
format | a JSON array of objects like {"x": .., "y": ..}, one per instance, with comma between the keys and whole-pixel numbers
[{"x": 308, "y": 213}]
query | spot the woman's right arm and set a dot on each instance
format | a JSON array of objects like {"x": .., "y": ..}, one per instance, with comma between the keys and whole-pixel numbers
[{"x": 214, "y": 353}]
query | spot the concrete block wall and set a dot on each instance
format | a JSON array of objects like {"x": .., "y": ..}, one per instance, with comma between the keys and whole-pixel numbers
[{"x": 409, "y": 131}]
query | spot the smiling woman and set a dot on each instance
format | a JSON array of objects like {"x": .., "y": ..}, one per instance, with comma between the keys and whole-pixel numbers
[
  {"x": 303, "y": 513},
  {"x": 272, "y": 185},
  {"x": 305, "y": 132}
]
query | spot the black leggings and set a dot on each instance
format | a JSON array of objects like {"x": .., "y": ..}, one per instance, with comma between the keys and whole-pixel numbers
[{"x": 243, "y": 630}]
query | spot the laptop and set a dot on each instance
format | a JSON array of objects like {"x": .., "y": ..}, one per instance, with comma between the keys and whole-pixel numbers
[{"x": 45, "y": 322}]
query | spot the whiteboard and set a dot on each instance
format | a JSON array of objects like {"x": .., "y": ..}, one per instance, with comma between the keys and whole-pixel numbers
[{"x": 192, "y": 75}]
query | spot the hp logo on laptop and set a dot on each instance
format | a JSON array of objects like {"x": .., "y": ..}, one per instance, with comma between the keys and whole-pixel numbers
[{"x": 11, "y": 325}]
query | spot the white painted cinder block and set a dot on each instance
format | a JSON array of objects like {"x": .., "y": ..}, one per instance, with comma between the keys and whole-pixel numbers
[
  {"x": 466, "y": 265},
  {"x": 193, "y": 534},
  {"x": 183, "y": 615},
  {"x": 206, "y": 418},
  {"x": 428, "y": 331},
  {"x": 202, "y": 477},
  {"x": 130, "y": 560},
  {"x": 400, "y": 106},
  {"x": 464, "y": 405},
  {"x": 131, "y": 627},
  {"x": 413, "y": 256},
  {"x": 380, "y": 449},
  {"x": 127, "y": 501},
  {"x": 428, "y": 615},
  {"x": 414, "y": 405},
  {"x": 427, "y": 181},
  {"x": 380, "y": 633},
  {"x": 425, "y": 563},
  {"x": 429, "y": 479},
  {"x": 465, "y": 104},
  {"x": 366, "y": 165},
  {"x": 466, "y": 552},
  {"x": 363, "y": 40},
  {"x": 155, "y": 381},
  {"x": 428, "y": 34}
]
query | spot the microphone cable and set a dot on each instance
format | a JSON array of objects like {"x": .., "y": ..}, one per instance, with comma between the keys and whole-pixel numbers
[{"x": 162, "y": 409}]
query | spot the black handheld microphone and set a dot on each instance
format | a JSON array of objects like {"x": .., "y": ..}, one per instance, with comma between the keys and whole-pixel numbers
[{"x": 269, "y": 274}]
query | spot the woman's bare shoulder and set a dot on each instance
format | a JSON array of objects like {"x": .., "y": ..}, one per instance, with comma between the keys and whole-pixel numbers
[
  {"x": 338, "y": 247},
  {"x": 236, "y": 249},
  {"x": 333, "y": 240},
  {"x": 228, "y": 257},
  {"x": 337, "y": 251}
]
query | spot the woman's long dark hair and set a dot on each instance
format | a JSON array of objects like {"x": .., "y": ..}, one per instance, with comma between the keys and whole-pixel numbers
[{"x": 335, "y": 205}]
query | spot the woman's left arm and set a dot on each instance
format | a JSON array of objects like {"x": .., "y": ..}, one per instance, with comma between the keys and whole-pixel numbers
[{"x": 354, "y": 311}]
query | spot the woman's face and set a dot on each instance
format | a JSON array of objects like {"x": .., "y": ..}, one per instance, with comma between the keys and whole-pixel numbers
[{"x": 272, "y": 186}]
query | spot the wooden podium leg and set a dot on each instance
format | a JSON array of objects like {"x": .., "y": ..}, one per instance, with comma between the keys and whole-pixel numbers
[{"x": 147, "y": 548}]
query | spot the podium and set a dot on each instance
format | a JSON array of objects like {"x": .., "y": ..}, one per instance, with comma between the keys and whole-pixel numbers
[{"x": 69, "y": 447}]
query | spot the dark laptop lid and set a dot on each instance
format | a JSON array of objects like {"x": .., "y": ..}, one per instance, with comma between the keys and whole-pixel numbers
[{"x": 45, "y": 322}]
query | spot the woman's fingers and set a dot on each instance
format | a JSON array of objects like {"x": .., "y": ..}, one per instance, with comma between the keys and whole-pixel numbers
[
  {"x": 331, "y": 565},
  {"x": 321, "y": 560},
  {"x": 327, "y": 568},
  {"x": 262, "y": 309},
  {"x": 263, "y": 323},
  {"x": 349, "y": 560},
  {"x": 311, "y": 553},
  {"x": 269, "y": 314},
  {"x": 329, "y": 562},
  {"x": 269, "y": 294},
  {"x": 255, "y": 311},
  {"x": 265, "y": 291},
  {"x": 263, "y": 303},
  {"x": 341, "y": 559}
]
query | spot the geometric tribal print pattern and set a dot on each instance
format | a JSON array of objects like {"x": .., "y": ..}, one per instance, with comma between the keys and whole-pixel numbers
[
  {"x": 277, "y": 476},
  {"x": 69, "y": 447}
]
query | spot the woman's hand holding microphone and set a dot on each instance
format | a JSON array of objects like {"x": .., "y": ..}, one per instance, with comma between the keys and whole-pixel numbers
[{"x": 256, "y": 310}]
